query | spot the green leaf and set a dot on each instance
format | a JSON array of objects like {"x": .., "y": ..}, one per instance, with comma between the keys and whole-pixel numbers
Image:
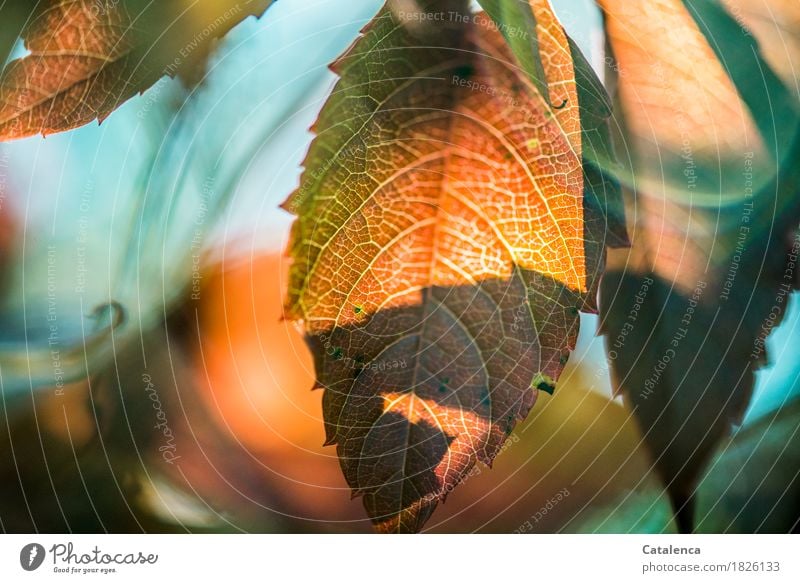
[
  {"x": 773, "y": 107},
  {"x": 517, "y": 22},
  {"x": 752, "y": 483}
]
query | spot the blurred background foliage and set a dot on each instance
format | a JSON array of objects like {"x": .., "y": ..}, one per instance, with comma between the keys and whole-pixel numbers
[{"x": 169, "y": 208}]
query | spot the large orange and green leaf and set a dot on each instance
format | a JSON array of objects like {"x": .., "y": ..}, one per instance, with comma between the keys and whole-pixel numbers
[
  {"x": 87, "y": 57},
  {"x": 441, "y": 252},
  {"x": 704, "y": 279}
]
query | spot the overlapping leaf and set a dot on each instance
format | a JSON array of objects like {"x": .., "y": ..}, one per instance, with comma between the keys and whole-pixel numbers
[
  {"x": 751, "y": 485},
  {"x": 776, "y": 25},
  {"x": 441, "y": 251},
  {"x": 687, "y": 311},
  {"x": 88, "y": 57},
  {"x": 523, "y": 23},
  {"x": 13, "y": 15}
]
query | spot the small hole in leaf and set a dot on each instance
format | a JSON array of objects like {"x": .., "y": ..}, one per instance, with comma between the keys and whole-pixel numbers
[{"x": 542, "y": 382}]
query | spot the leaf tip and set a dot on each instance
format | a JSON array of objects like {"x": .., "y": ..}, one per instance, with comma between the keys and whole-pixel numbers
[{"x": 335, "y": 67}]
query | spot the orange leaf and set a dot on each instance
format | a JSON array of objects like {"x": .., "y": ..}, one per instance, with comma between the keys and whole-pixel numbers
[
  {"x": 687, "y": 310},
  {"x": 440, "y": 254}
]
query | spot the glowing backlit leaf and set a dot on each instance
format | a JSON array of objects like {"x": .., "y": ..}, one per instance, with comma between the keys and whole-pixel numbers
[
  {"x": 440, "y": 254},
  {"x": 88, "y": 57}
]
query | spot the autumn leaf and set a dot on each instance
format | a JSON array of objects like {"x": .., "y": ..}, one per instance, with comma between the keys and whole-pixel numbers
[
  {"x": 88, "y": 57},
  {"x": 704, "y": 281},
  {"x": 440, "y": 252}
]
